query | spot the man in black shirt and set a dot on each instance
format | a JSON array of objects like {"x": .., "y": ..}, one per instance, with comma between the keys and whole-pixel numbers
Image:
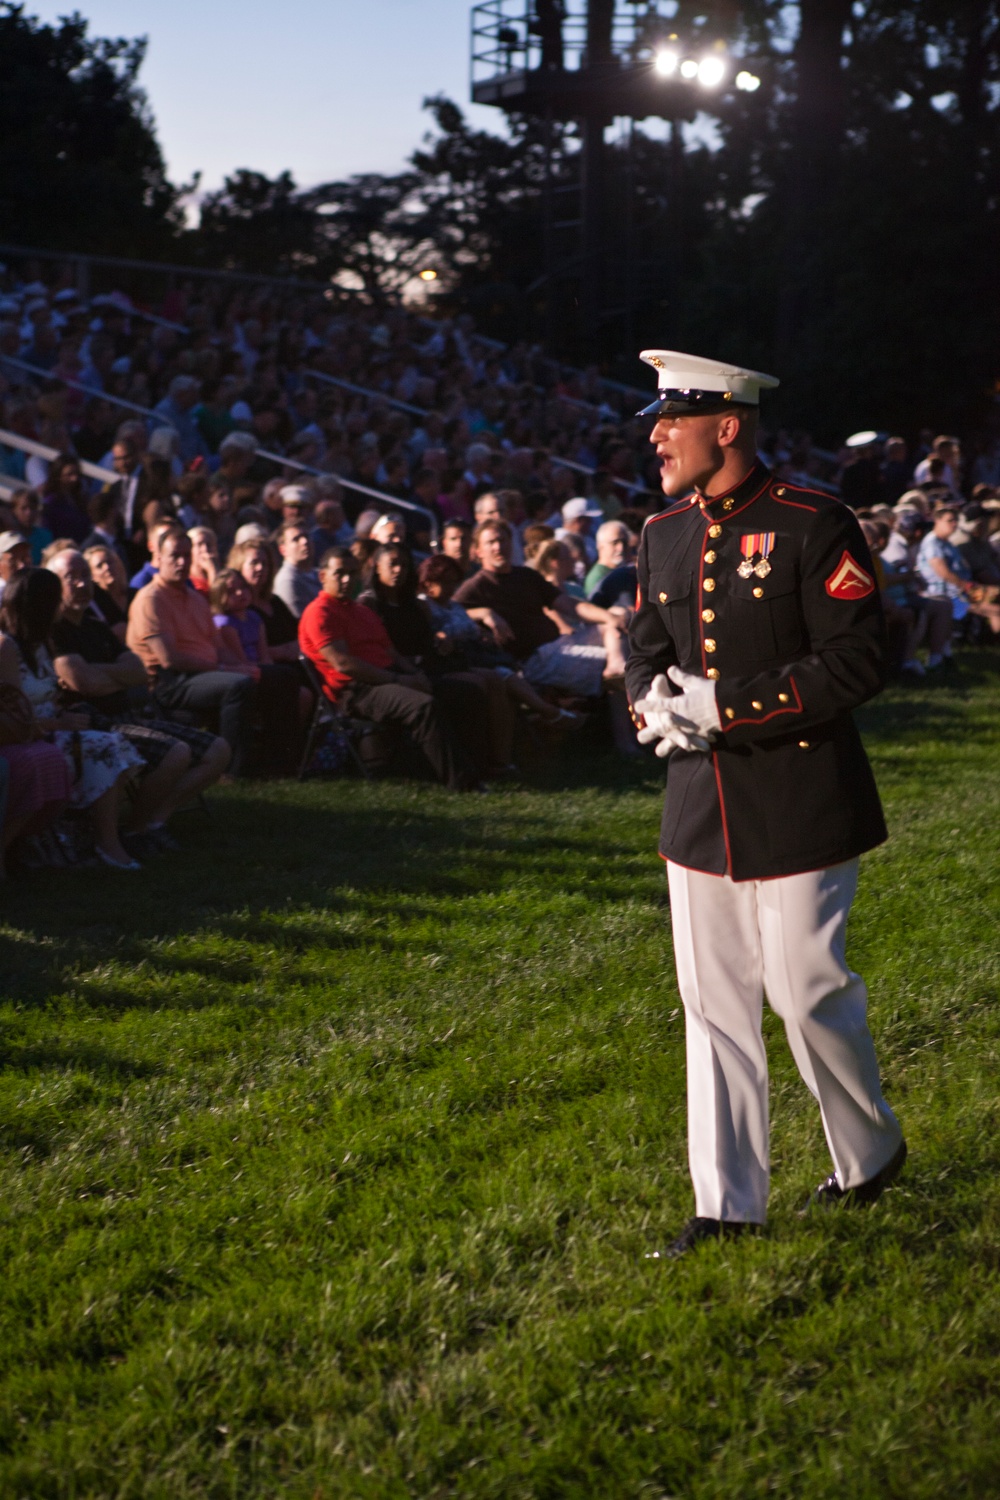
[
  {"x": 564, "y": 643},
  {"x": 92, "y": 663}
]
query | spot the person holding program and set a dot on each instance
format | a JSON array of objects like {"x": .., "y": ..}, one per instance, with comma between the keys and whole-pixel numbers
[{"x": 758, "y": 629}]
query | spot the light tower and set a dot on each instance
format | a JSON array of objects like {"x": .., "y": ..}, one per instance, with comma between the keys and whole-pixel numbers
[{"x": 590, "y": 62}]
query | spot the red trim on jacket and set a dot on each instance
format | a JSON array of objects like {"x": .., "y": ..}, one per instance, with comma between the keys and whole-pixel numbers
[
  {"x": 722, "y": 810},
  {"x": 795, "y": 504},
  {"x": 675, "y": 510},
  {"x": 791, "y": 709}
]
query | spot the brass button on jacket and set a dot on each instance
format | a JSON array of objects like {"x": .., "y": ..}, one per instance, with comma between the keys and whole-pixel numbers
[
  {"x": 708, "y": 585},
  {"x": 709, "y": 644},
  {"x": 710, "y": 556},
  {"x": 708, "y": 615},
  {"x": 714, "y": 673},
  {"x": 715, "y": 530}
]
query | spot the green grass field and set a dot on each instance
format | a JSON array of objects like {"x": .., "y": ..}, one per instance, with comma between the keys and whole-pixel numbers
[{"x": 331, "y": 1148}]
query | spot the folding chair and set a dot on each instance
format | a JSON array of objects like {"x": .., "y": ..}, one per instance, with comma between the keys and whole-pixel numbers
[{"x": 326, "y": 715}]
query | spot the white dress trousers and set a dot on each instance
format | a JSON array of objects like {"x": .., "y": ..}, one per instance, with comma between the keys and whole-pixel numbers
[{"x": 734, "y": 942}]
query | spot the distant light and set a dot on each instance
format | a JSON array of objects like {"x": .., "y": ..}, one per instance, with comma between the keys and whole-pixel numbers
[
  {"x": 711, "y": 71},
  {"x": 428, "y": 275},
  {"x": 666, "y": 63},
  {"x": 748, "y": 82},
  {"x": 689, "y": 68}
]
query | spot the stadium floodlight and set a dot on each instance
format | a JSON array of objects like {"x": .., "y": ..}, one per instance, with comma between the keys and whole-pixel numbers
[
  {"x": 666, "y": 63},
  {"x": 748, "y": 82},
  {"x": 711, "y": 72},
  {"x": 428, "y": 275},
  {"x": 689, "y": 68}
]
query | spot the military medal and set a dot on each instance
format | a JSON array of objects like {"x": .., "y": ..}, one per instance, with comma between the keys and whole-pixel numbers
[{"x": 750, "y": 544}]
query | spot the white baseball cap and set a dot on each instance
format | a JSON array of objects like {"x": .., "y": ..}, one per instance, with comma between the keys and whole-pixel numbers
[{"x": 574, "y": 509}]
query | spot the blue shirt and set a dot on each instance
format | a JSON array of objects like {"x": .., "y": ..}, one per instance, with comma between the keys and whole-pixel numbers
[{"x": 937, "y": 547}]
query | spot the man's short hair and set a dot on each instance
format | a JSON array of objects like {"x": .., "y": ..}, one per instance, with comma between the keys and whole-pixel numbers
[
  {"x": 172, "y": 533},
  {"x": 457, "y": 523},
  {"x": 287, "y": 527},
  {"x": 489, "y": 495},
  {"x": 496, "y": 523},
  {"x": 609, "y": 528},
  {"x": 337, "y": 555}
]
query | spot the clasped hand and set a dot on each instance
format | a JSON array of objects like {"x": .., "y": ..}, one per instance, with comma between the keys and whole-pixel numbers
[{"x": 679, "y": 721}]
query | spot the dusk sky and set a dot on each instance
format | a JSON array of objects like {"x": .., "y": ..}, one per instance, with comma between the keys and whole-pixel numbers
[{"x": 323, "y": 87}]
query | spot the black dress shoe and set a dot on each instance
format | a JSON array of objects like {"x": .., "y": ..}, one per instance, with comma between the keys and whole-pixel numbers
[
  {"x": 830, "y": 1194},
  {"x": 696, "y": 1230}
]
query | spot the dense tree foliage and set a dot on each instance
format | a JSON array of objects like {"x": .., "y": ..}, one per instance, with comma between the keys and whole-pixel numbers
[
  {"x": 79, "y": 162},
  {"x": 840, "y": 225}
]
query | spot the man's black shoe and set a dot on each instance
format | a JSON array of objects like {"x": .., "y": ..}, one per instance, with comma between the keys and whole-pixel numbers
[
  {"x": 696, "y": 1230},
  {"x": 830, "y": 1194}
]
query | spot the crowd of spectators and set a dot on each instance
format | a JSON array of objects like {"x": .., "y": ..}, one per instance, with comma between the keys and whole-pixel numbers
[{"x": 216, "y": 515}]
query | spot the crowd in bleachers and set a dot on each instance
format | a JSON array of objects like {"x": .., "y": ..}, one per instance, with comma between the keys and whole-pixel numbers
[{"x": 257, "y": 532}]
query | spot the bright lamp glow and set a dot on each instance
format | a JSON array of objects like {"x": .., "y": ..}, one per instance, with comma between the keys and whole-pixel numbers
[
  {"x": 711, "y": 72},
  {"x": 666, "y": 63},
  {"x": 689, "y": 68},
  {"x": 428, "y": 275},
  {"x": 748, "y": 82}
]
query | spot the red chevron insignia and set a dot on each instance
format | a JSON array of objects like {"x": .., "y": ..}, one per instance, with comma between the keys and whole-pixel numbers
[{"x": 849, "y": 580}]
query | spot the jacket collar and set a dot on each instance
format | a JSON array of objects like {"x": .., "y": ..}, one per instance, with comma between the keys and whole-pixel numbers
[{"x": 731, "y": 502}]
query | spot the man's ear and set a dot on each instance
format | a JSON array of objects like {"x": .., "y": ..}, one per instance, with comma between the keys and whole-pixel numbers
[{"x": 730, "y": 426}]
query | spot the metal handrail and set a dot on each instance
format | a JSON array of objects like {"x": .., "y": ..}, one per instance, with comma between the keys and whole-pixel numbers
[
  {"x": 296, "y": 283},
  {"x": 362, "y": 489},
  {"x": 360, "y": 390},
  {"x": 94, "y": 471},
  {"x": 77, "y": 385},
  {"x": 422, "y": 411},
  {"x": 42, "y": 450}
]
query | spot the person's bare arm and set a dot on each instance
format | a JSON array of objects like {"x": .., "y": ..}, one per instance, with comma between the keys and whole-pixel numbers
[
  {"x": 558, "y": 618},
  {"x": 594, "y": 614},
  {"x": 942, "y": 570},
  {"x": 231, "y": 653},
  {"x": 96, "y": 680},
  {"x": 495, "y": 624},
  {"x": 288, "y": 652},
  {"x": 337, "y": 654}
]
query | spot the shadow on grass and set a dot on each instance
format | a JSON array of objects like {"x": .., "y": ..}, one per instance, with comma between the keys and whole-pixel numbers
[{"x": 271, "y": 853}]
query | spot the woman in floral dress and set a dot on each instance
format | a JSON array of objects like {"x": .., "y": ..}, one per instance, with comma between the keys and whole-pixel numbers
[{"x": 100, "y": 763}]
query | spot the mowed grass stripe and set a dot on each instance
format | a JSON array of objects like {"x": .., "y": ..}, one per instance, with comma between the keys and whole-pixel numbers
[{"x": 333, "y": 1145}]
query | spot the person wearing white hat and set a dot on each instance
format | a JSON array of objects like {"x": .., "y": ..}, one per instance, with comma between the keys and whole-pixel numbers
[
  {"x": 758, "y": 629},
  {"x": 578, "y": 517}
]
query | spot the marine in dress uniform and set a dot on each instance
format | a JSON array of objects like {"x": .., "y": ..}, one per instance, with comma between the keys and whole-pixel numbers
[{"x": 758, "y": 628}]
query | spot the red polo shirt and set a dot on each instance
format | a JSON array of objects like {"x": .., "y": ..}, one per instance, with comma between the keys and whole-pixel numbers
[{"x": 326, "y": 620}]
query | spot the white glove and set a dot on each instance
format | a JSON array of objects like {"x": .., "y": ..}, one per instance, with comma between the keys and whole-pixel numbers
[
  {"x": 673, "y": 731},
  {"x": 696, "y": 703}
]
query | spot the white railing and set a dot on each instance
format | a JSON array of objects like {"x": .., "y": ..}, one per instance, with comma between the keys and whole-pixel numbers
[{"x": 42, "y": 450}]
